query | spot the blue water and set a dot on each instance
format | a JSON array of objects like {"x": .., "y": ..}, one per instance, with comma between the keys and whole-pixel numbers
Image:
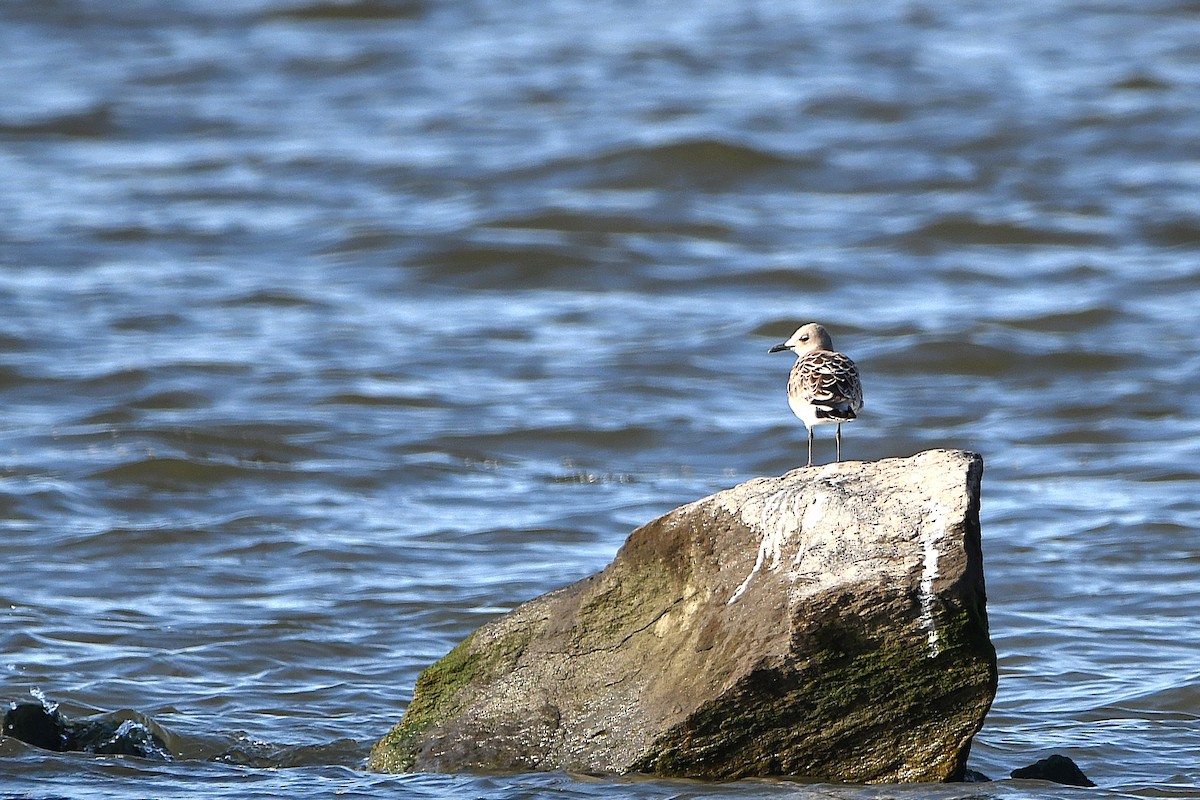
[{"x": 329, "y": 331}]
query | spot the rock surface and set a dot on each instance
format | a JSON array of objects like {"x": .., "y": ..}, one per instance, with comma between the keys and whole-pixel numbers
[
  {"x": 125, "y": 733},
  {"x": 1056, "y": 768},
  {"x": 829, "y": 623}
]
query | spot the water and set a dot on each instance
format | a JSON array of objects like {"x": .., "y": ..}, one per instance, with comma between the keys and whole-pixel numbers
[{"x": 331, "y": 331}]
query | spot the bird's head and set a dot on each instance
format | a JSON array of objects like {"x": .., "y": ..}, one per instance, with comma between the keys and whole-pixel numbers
[{"x": 806, "y": 339}]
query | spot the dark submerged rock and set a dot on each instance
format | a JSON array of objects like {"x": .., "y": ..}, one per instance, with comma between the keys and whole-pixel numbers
[
  {"x": 829, "y": 623},
  {"x": 34, "y": 724},
  {"x": 123, "y": 733},
  {"x": 1056, "y": 768}
]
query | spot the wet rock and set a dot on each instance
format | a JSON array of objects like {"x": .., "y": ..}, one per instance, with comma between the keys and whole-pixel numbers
[
  {"x": 34, "y": 724},
  {"x": 829, "y": 623},
  {"x": 122, "y": 733},
  {"x": 1055, "y": 768}
]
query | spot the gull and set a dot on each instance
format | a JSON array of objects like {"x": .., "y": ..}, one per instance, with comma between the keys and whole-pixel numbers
[{"x": 824, "y": 387}]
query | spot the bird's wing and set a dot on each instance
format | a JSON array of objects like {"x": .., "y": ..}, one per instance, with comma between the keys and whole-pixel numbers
[{"x": 826, "y": 378}]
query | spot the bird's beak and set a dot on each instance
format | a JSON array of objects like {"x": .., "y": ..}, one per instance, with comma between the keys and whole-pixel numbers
[{"x": 779, "y": 348}]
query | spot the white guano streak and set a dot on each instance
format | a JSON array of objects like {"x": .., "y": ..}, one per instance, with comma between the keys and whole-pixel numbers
[
  {"x": 929, "y": 546},
  {"x": 776, "y": 520}
]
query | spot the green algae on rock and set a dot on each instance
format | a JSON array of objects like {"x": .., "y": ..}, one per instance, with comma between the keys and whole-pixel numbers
[{"x": 828, "y": 624}]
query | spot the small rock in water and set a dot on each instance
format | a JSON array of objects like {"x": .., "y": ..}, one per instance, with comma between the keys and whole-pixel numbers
[
  {"x": 1055, "y": 768},
  {"x": 34, "y": 724},
  {"x": 129, "y": 738},
  {"x": 827, "y": 624},
  {"x": 111, "y": 734}
]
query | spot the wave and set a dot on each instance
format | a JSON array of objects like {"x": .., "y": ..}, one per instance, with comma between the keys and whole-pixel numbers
[
  {"x": 961, "y": 229},
  {"x": 355, "y": 10},
  {"x": 505, "y": 267},
  {"x": 381, "y": 400},
  {"x": 1177, "y": 701},
  {"x": 1182, "y": 232},
  {"x": 1085, "y": 319},
  {"x": 93, "y": 122},
  {"x": 858, "y": 107},
  {"x": 972, "y": 358},
  {"x": 609, "y": 223},
  {"x": 168, "y": 472},
  {"x": 708, "y": 163}
]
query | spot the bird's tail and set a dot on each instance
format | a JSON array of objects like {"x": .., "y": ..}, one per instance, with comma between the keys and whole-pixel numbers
[{"x": 839, "y": 413}]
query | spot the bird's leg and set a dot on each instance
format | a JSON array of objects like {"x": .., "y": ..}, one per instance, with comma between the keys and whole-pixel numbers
[
  {"x": 809, "y": 464},
  {"x": 839, "y": 442}
]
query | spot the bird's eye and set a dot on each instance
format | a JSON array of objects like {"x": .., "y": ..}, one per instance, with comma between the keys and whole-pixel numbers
[{"x": 804, "y": 338}]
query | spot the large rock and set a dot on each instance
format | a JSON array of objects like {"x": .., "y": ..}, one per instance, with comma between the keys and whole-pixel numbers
[{"x": 829, "y": 623}]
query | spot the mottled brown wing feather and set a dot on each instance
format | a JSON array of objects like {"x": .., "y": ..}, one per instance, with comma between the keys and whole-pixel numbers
[{"x": 829, "y": 379}]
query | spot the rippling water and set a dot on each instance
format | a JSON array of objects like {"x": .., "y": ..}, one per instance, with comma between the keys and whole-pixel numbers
[{"x": 332, "y": 330}]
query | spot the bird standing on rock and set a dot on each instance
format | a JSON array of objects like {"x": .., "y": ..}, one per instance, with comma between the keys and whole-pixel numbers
[{"x": 824, "y": 387}]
